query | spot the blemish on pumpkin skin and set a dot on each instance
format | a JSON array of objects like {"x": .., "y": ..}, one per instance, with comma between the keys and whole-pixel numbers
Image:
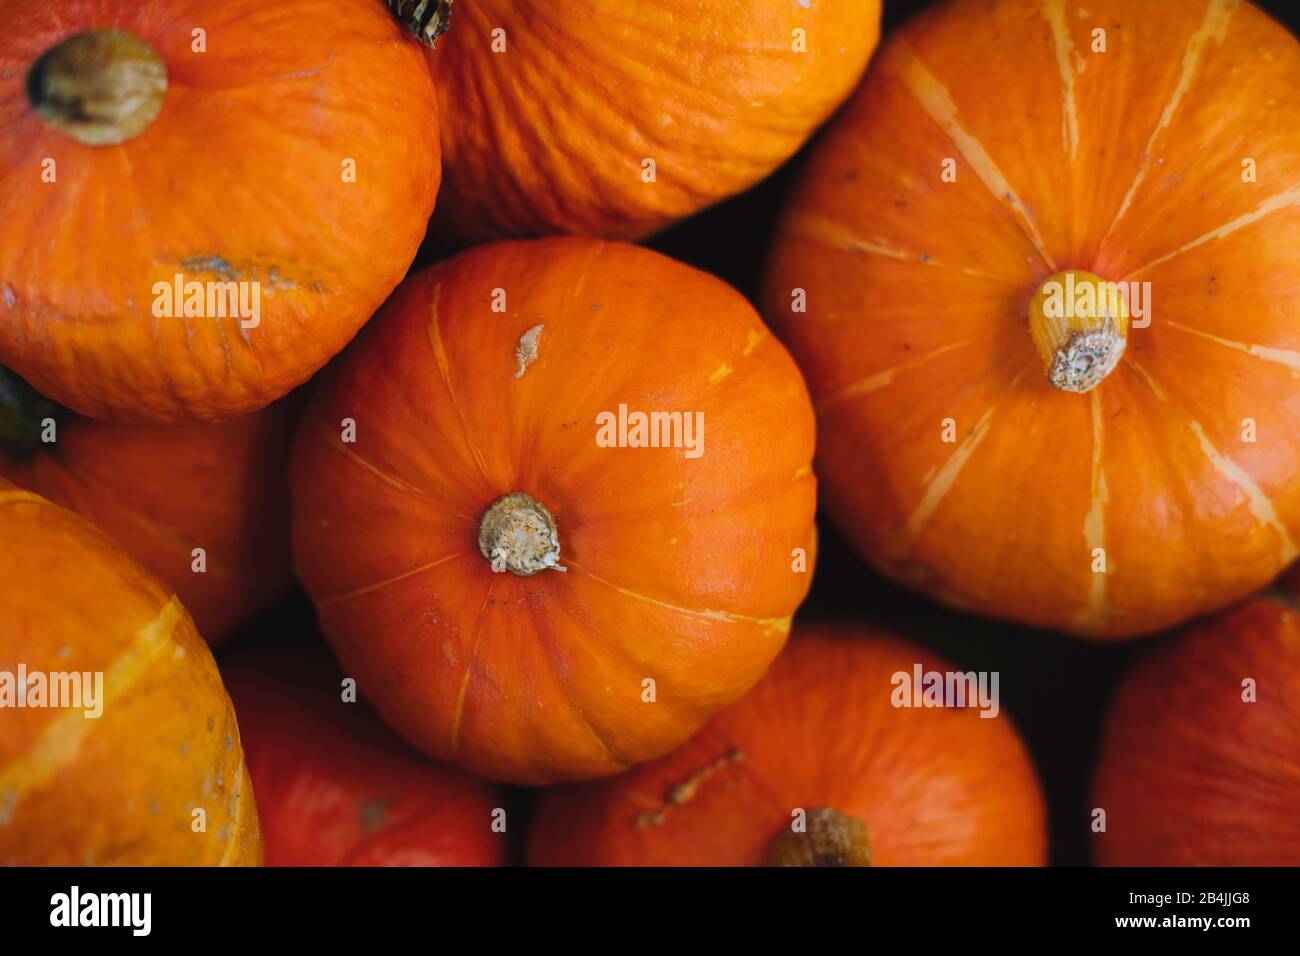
[
  {"x": 526, "y": 352},
  {"x": 719, "y": 373},
  {"x": 682, "y": 793},
  {"x": 222, "y": 267},
  {"x": 374, "y": 815},
  {"x": 210, "y": 264}
]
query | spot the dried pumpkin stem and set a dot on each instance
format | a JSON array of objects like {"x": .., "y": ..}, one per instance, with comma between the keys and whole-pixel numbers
[
  {"x": 101, "y": 88},
  {"x": 427, "y": 19},
  {"x": 517, "y": 534},
  {"x": 23, "y": 412},
  {"x": 1079, "y": 323},
  {"x": 829, "y": 838}
]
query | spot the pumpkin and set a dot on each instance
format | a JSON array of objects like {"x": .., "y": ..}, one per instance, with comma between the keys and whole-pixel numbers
[
  {"x": 817, "y": 766},
  {"x": 118, "y": 744},
  {"x": 526, "y": 579},
  {"x": 163, "y": 491},
  {"x": 334, "y": 786},
  {"x": 192, "y": 228},
  {"x": 607, "y": 118},
  {"x": 1200, "y": 760},
  {"x": 1010, "y": 419}
]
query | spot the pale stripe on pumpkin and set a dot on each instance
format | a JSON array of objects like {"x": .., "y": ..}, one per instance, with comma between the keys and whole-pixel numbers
[
  {"x": 780, "y": 625},
  {"x": 881, "y": 379},
  {"x": 937, "y": 103},
  {"x": 837, "y": 236},
  {"x": 1281, "y": 201},
  {"x": 1282, "y": 357},
  {"x": 59, "y": 742},
  {"x": 1259, "y": 504},
  {"x": 379, "y": 585},
  {"x": 1054, "y": 13},
  {"x": 1094, "y": 524},
  {"x": 334, "y": 440},
  {"x": 1213, "y": 27},
  {"x": 941, "y": 482}
]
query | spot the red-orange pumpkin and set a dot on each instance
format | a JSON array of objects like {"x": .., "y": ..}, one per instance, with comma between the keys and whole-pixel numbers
[
  {"x": 817, "y": 744},
  {"x": 164, "y": 491},
  {"x": 289, "y": 148},
  {"x": 610, "y": 118},
  {"x": 640, "y": 588},
  {"x": 158, "y": 777},
  {"x": 334, "y": 786},
  {"x": 906, "y": 279},
  {"x": 1200, "y": 764}
]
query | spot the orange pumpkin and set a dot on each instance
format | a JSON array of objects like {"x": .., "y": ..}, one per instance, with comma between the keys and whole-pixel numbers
[
  {"x": 334, "y": 786},
  {"x": 192, "y": 228},
  {"x": 992, "y": 430},
  {"x": 609, "y": 118},
  {"x": 1200, "y": 763},
  {"x": 164, "y": 491},
  {"x": 816, "y": 766},
  {"x": 517, "y": 585},
  {"x": 157, "y": 776}
]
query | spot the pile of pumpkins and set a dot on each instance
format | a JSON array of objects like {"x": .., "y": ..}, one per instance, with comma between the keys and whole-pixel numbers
[{"x": 222, "y": 377}]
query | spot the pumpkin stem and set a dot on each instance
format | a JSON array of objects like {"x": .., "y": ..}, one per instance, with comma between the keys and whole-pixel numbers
[
  {"x": 518, "y": 535},
  {"x": 427, "y": 19},
  {"x": 1079, "y": 323},
  {"x": 101, "y": 88},
  {"x": 23, "y": 411},
  {"x": 829, "y": 838}
]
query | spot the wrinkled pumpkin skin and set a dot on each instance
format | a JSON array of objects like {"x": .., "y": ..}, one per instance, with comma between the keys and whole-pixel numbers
[
  {"x": 550, "y": 136},
  {"x": 1190, "y": 774},
  {"x": 240, "y": 177},
  {"x": 679, "y": 570},
  {"x": 120, "y": 789},
  {"x": 162, "y": 491},
  {"x": 917, "y": 294},
  {"x": 934, "y": 787},
  {"x": 335, "y": 787}
]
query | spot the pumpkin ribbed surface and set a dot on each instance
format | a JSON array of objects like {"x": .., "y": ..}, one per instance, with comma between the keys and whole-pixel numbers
[
  {"x": 294, "y": 157},
  {"x": 932, "y": 214},
  {"x": 121, "y": 788},
  {"x": 505, "y": 584}
]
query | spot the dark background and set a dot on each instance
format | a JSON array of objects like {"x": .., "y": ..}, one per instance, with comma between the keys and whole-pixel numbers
[{"x": 1055, "y": 687}]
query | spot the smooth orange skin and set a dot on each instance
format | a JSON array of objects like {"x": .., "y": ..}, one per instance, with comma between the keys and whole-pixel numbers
[
  {"x": 550, "y": 136},
  {"x": 161, "y": 491},
  {"x": 335, "y": 787},
  {"x": 166, "y": 742},
  {"x": 679, "y": 570},
  {"x": 933, "y": 325},
  {"x": 243, "y": 163},
  {"x": 1189, "y": 773},
  {"x": 934, "y": 787}
]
